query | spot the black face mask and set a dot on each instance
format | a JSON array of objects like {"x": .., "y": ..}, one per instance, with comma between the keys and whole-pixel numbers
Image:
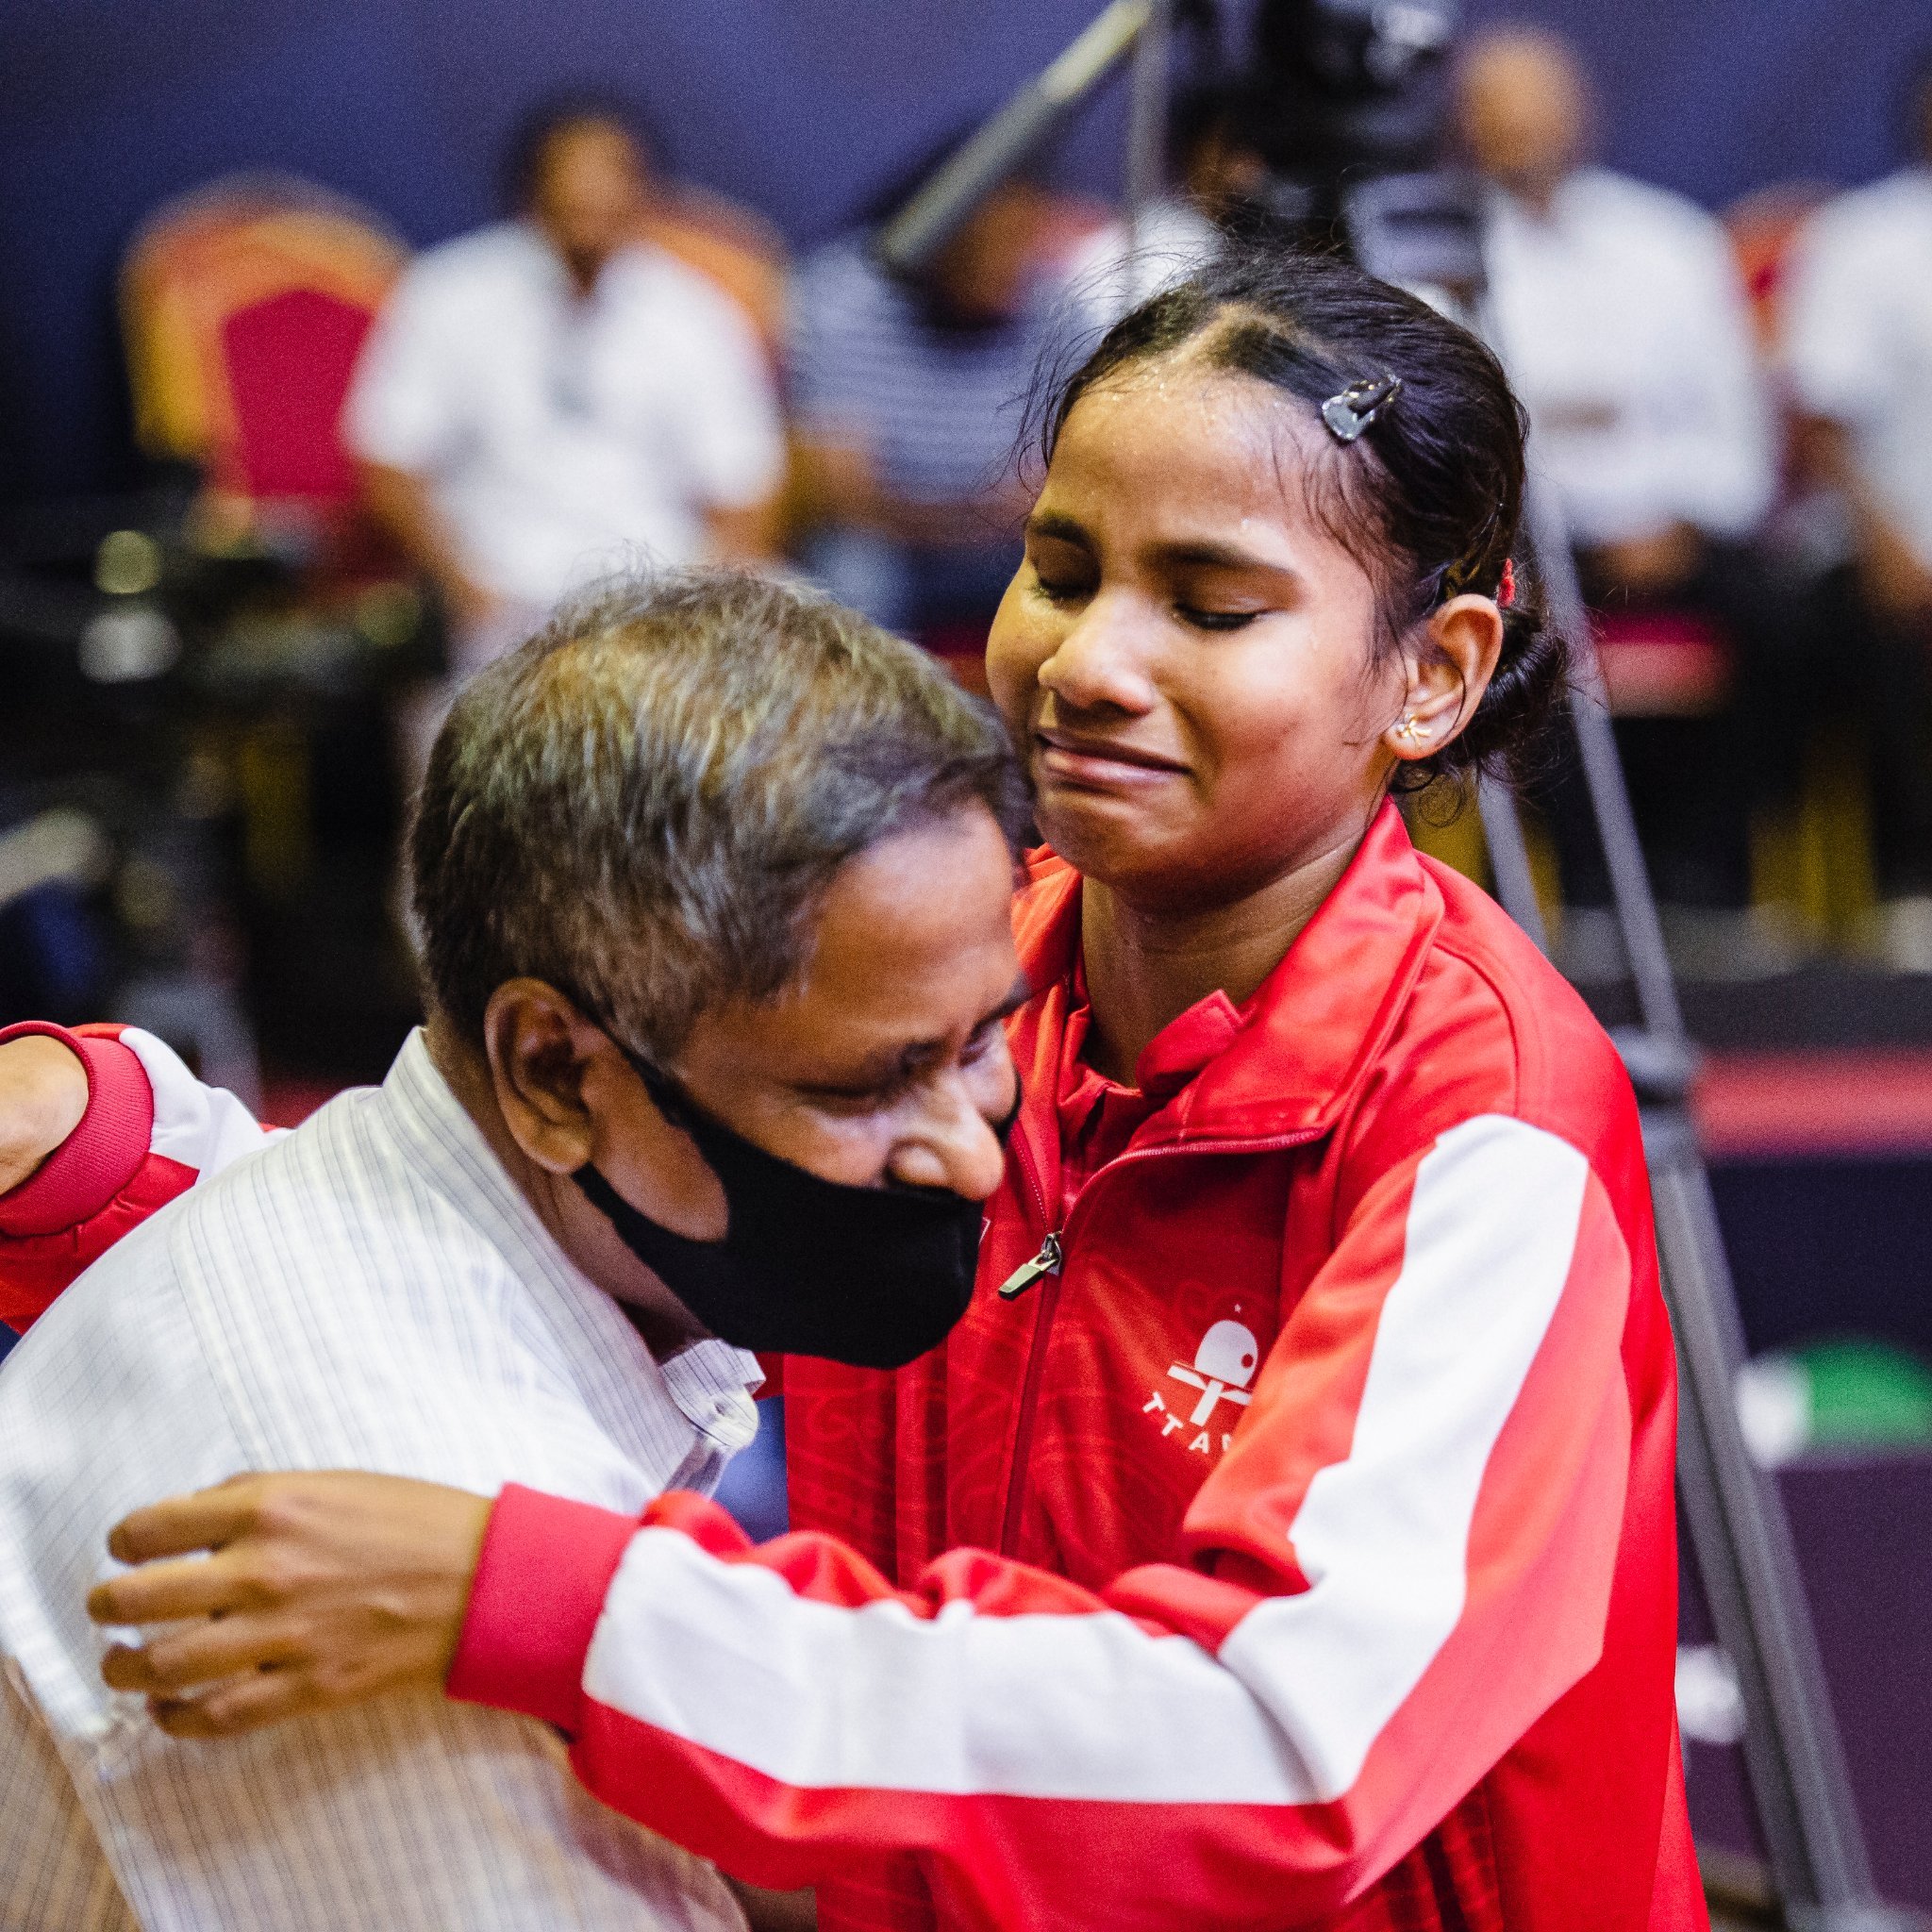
[{"x": 871, "y": 1276}]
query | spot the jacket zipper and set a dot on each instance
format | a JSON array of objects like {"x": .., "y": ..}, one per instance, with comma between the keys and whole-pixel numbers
[
  {"x": 1046, "y": 1266},
  {"x": 1023, "y": 1277}
]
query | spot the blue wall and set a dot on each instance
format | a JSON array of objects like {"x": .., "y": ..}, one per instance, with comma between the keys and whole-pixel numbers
[{"x": 799, "y": 107}]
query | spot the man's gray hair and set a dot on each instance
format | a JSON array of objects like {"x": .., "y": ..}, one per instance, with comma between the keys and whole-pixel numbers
[{"x": 643, "y": 805}]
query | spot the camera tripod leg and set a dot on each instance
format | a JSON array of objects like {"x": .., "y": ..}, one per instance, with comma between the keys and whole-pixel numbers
[{"x": 1792, "y": 1752}]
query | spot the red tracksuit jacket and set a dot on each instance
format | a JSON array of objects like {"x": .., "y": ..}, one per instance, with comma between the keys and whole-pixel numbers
[{"x": 1295, "y": 1546}]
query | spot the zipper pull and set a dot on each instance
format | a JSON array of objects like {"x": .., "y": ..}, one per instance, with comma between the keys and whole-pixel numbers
[{"x": 1023, "y": 1277}]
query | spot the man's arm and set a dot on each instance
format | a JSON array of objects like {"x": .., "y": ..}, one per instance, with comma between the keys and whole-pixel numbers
[
  {"x": 747, "y": 536},
  {"x": 409, "y": 410},
  {"x": 839, "y": 483},
  {"x": 730, "y": 429},
  {"x": 1724, "y": 453},
  {"x": 1894, "y": 579},
  {"x": 1842, "y": 362},
  {"x": 401, "y": 501}
]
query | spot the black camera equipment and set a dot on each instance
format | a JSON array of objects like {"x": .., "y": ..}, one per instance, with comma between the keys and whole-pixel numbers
[{"x": 1346, "y": 104}]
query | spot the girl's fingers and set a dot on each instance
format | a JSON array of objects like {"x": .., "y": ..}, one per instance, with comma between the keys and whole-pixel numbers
[
  {"x": 203, "y": 1521},
  {"x": 161, "y": 1593},
  {"x": 351, "y": 1583},
  {"x": 203, "y": 1654},
  {"x": 264, "y": 1697}
]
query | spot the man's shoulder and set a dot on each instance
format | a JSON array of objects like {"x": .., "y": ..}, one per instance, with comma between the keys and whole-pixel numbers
[
  {"x": 1885, "y": 219},
  {"x": 298, "y": 1203},
  {"x": 126, "y": 1291},
  {"x": 319, "y": 1163},
  {"x": 342, "y": 1301},
  {"x": 335, "y": 1209},
  {"x": 1642, "y": 215},
  {"x": 309, "y": 1247},
  {"x": 483, "y": 261},
  {"x": 839, "y": 286}
]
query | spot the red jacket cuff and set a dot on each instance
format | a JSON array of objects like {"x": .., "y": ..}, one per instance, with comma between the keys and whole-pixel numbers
[
  {"x": 101, "y": 1154},
  {"x": 541, "y": 1583}
]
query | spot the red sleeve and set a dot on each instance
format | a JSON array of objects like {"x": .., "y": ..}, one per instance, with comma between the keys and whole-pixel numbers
[
  {"x": 530, "y": 1623},
  {"x": 98, "y": 1184},
  {"x": 150, "y": 1131},
  {"x": 103, "y": 1153},
  {"x": 1403, "y": 1560}
]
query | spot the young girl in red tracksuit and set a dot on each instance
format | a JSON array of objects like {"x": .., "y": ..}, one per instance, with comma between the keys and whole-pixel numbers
[{"x": 1284, "y": 1536}]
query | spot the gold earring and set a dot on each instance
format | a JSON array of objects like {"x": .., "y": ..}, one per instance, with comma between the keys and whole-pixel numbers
[{"x": 1411, "y": 731}]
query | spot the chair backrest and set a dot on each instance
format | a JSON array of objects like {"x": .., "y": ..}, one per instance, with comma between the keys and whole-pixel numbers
[
  {"x": 244, "y": 305},
  {"x": 1762, "y": 228},
  {"x": 731, "y": 247}
]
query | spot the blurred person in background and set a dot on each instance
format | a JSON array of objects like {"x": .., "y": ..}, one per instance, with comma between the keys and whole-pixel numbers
[
  {"x": 1625, "y": 327},
  {"x": 1212, "y": 171},
  {"x": 906, "y": 398},
  {"x": 554, "y": 388},
  {"x": 1858, "y": 343}
]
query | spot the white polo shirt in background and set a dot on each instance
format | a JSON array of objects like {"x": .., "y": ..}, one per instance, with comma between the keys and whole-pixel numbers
[
  {"x": 1118, "y": 267},
  {"x": 370, "y": 1292},
  {"x": 559, "y": 432},
  {"x": 1622, "y": 322},
  {"x": 1858, "y": 339}
]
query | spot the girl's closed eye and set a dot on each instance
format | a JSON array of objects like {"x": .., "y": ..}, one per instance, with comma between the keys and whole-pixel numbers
[
  {"x": 1201, "y": 618},
  {"x": 1062, "y": 590}
]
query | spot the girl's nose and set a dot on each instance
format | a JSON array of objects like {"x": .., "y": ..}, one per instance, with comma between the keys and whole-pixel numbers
[{"x": 1101, "y": 662}]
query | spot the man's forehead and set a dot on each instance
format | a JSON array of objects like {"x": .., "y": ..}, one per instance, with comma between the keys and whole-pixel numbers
[
  {"x": 832, "y": 1035},
  {"x": 913, "y": 944}
]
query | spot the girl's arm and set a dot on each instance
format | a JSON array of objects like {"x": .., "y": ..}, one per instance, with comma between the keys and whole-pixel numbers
[
  {"x": 1403, "y": 1561},
  {"x": 147, "y": 1130}
]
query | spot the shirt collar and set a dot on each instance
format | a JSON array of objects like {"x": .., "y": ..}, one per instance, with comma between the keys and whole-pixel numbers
[
  {"x": 451, "y": 1146},
  {"x": 1173, "y": 1057},
  {"x": 1285, "y": 1062},
  {"x": 547, "y": 266}
]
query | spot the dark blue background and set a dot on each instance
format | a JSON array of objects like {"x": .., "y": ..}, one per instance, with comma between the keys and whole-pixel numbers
[{"x": 799, "y": 106}]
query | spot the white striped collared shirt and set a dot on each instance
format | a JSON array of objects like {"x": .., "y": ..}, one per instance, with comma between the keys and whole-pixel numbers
[{"x": 370, "y": 1292}]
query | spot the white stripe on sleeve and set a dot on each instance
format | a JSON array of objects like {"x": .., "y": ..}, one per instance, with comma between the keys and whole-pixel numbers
[
  {"x": 1091, "y": 1706},
  {"x": 201, "y": 1127}
]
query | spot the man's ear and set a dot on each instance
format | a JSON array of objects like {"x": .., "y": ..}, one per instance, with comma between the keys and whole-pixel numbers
[
  {"x": 1445, "y": 676},
  {"x": 544, "y": 1056}
]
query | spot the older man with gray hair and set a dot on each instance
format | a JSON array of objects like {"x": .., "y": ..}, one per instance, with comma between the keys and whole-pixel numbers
[{"x": 713, "y": 881}]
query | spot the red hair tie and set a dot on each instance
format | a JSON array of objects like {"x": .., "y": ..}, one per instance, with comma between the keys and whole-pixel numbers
[{"x": 1506, "y": 589}]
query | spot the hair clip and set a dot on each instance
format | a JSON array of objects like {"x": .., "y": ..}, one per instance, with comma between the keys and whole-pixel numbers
[
  {"x": 1506, "y": 587},
  {"x": 1358, "y": 406}
]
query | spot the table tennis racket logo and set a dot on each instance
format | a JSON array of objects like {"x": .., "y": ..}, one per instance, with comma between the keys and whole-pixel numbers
[{"x": 1223, "y": 1367}]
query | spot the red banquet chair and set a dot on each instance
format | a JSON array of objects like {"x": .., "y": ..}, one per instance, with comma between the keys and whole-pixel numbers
[
  {"x": 244, "y": 305},
  {"x": 1666, "y": 663}
]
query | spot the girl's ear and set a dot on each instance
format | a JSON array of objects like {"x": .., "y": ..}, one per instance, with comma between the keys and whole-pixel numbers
[{"x": 1446, "y": 675}]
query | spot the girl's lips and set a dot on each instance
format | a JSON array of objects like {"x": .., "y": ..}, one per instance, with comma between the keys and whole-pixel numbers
[{"x": 1100, "y": 766}]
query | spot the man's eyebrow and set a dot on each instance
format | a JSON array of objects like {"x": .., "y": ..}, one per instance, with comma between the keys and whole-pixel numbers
[
  {"x": 1017, "y": 995},
  {"x": 898, "y": 1062}
]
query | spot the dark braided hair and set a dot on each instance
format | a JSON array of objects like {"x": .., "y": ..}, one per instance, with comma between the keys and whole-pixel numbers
[{"x": 1428, "y": 499}]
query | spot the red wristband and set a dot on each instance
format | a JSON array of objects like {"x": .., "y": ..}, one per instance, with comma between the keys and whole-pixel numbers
[
  {"x": 544, "y": 1570},
  {"x": 101, "y": 1154}
]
